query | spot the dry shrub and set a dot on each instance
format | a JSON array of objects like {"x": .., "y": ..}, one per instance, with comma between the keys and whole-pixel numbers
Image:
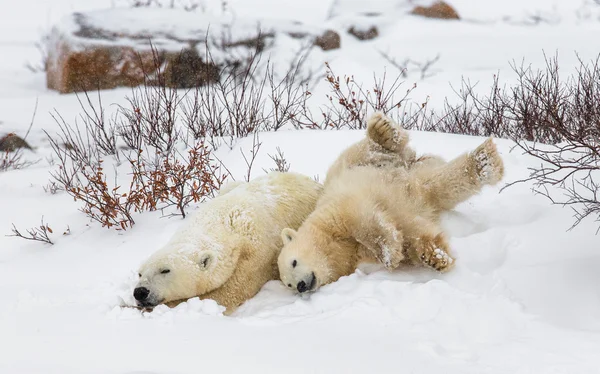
[
  {"x": 152, "y": 126},
  {"x": 38, "y": 234},
  {"x": 349, "y": 103},
  {"x": 249, "y": 99},
  {"x": 281, "y": 164},
  {"x": 159, "y": 175},
  {"x": 176, "y": 182},
  {"x": 157, "y": 179},
  {"x": 555, "y": 119},
  {"x": 12, "y": 160},
  {"x": 565, "y": 114}
]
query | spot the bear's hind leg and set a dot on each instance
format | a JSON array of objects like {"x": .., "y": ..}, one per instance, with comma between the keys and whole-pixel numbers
[{"x": 461, "y": 178}]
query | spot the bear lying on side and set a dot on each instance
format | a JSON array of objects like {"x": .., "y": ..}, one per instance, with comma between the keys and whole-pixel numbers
[
  {"x": 227, "y": 250},
  {"x": 383, "y": 210}
]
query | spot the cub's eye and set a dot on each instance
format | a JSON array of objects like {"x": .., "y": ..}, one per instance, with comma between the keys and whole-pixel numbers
[
  {"x": 294, "y": 263},
  {"x": 139, "y": 275},
  {"x": 166, "y": 271},
  {"x": 289, "y": 285}
]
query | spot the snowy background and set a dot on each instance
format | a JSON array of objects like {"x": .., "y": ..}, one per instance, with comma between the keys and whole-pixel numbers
[{"x": 524, "y": 297}]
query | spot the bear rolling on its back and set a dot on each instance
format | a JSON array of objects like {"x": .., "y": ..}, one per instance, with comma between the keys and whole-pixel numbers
[
  {"x": 383, "y": 210},
  {"x": 227, "y": 250}
]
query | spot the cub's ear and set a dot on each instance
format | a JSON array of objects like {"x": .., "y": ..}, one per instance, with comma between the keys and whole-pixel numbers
[
  {"x": 287, "y": 235},
  {"x": 206, "y": 260}
]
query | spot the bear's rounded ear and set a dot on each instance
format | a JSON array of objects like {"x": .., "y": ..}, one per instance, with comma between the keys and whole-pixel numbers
[
  {"x": 287, "y": 235},
  {"x": 205, "y": 260}
]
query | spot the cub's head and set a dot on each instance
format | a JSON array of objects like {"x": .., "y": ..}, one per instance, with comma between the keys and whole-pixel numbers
[
  {"x": 309, "y": 260},
  {"x": 181, "y": 272}
]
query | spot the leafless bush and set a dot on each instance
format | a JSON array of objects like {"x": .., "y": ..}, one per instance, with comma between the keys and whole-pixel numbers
[
  {"x": 253, "y": 153},
  {"x": 160, "y": 175},
  {"x": 52, "y": 188},
  {"x": 42, "y": 46},
  {"x": 150, "y": 119},
  {"x": 566, "y": 114},
  {"x": 12, "y": 160},
  {"x": 248, "y": 99},
  {"x": 39, "y": 234},
  {"x": 424, "y": 68},
  {"x": 83, "y": 177},
  {"x": 102, "y": 132},
  {"x": 281, "y": 164},
  {"x": 349, "y": 103}
]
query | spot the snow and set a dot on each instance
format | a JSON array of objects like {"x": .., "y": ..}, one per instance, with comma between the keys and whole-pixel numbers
[
  {"x": 132, "y": 27},
  {"x": 524, "y": 296}
]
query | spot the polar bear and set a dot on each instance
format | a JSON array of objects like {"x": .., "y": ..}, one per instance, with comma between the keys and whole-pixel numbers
[
  {"x": 227, "y": 250},
  {"x": 373, "y": 211}
]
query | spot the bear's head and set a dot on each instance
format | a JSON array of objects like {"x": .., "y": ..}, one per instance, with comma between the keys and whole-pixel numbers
[
  {"x": 181, "y": 271},
  {"x": 309, "y": 259}
]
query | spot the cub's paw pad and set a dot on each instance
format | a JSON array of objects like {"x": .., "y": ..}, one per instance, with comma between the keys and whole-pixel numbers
[{"x": 437, "y": 259}]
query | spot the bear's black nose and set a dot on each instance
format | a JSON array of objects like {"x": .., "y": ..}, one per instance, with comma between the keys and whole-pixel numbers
[
  {"x": 141, "y": 293},
  {"x": 301, "y": 286}
]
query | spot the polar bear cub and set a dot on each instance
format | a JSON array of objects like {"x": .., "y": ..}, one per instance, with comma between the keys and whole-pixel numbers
[
  {"x": 383, "y": 210},
  {"x": 227, "y": 250}
]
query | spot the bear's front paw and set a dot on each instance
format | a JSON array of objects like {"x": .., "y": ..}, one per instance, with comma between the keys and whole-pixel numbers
[
  {"x": 432, "y": 254},
  {"x": 488, "y": 163},
  {"x": 385, "y": 132}
]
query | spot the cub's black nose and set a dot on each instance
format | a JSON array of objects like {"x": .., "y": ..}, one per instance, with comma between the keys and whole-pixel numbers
[
  {"x": 302, "y": 287},
  {"x": 141, "y": 293}
]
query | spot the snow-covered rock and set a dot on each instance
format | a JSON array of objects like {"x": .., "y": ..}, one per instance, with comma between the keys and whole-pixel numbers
[{"x": 123, "y": 47}]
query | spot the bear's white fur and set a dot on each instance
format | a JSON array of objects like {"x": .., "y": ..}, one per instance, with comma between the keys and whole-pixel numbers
[
  {"x": 381, "y": 207},
  {"x": 227, "y": 250}
]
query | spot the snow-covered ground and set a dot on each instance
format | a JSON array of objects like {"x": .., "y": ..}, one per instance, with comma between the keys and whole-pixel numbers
[{"x": 524, "y": 297}]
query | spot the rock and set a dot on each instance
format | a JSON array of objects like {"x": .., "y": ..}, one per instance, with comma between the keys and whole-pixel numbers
[
  {"x": 128, "y": 47},
  {"x": 438, "y": 10},
  {"x": 11, "y": 142},
  {"x": 188, "y": 69},
  {"x": 92, "y": 68},
  {"x": 362, "y": 34},
  {"x": 328, "y": 40}
]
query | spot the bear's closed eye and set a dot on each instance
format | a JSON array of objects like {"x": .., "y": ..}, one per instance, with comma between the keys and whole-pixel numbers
[
  {"x": 294, "y": 263},
  {"x": 165, "y": 271}
]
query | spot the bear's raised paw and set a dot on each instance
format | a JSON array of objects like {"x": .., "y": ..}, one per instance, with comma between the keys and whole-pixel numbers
[
  {"x": 488, "y": 163},
  {"x": 385, "y": 132}
]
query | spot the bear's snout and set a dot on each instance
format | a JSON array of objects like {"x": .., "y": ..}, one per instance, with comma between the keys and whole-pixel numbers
[
  {"x": 303, "y": 286},
  {"x": 141, "y": 293}
]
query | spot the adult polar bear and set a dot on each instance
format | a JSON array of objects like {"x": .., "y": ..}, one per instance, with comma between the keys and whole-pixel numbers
[
  {"x": 382, "y": 213},
  {"x": 228, "y": 249}
]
